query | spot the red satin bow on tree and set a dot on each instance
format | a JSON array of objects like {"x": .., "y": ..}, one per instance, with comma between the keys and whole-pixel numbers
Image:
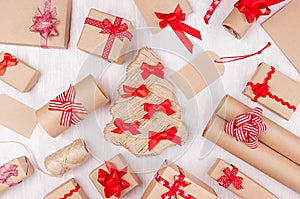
[
  {"x": 141, "y": 91},
  {"x": 112, "y": 180},
  {"x": 7, "y": 61},
  {"x": 175, "y": 188},
  {"x": 169, "y": 134},
  {"x": 65, "y": 103},
  {"x": 175, "y": 19},
  {"x": 148, "y": 70},
  {"x": 231, "y": 177},
  {"x": 6, "y": 173},
  {"x": 122, "y": 126},
  {"x": 165, "y": 107},
  {"x": 253, "y": 9},
  {"x": 247, "y": 127}
]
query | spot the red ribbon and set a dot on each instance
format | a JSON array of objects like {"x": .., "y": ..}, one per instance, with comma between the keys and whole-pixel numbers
[
  {"x": 117, "y": 29},
  {"x": 165, "y": 107},
  {"x": 72, "y": 191},
  {"x": 141, "y": 91},
  {"x": 8, "y": 60},
  {"x": 112, "y": 180},
  {"x": 7, "y": 173},
  {"x": 148, "y": 70},
  {"x": 253, "y": 9},
  {"x": 263, "y": 90},
  {"x": 175, "y": 188},
  {"x": 122, "y": 126},
  {"x": 175, "y": 19},
  {"x": 247, "y": 127},
  {"x": 169, "y": 134},
  {"x": 65, "y": 103},
  {"x": 214, "y": 4},
  {"x": 231, "y": 177},
  {"x": 44, "y": 23}
]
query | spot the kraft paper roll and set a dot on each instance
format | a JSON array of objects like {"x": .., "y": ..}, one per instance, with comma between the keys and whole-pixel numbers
[
  {"x": 67, "y": 158},
  {"x": 88, "y": 93}
]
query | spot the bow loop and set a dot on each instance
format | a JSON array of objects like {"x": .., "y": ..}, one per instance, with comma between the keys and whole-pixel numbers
[
  {"x": 122, "y": 126},
  {"x": 151, "y": 109},
  {"x": 231, "y": 177},
  {"x": 8, "y": 60},
  {"x": 148, "y": 70},
  {"x": 141, "y": 91},
  {"x": 169, "y": 134}
]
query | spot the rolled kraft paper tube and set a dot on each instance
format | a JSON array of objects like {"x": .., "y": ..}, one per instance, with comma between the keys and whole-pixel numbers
[
  {"x": 88, "y": 93},
  {"x": 67, "y": 158},
  {"x": 275, "y": 137},
  {"x": 236, "y": 24}
]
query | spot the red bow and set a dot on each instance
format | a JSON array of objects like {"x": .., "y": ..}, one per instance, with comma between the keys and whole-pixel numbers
[
  {"x": 157, "y": 70},
  {"x": 7, "y": 61},
  {"x": 117, "y": 29},
  {"x": 65, "y": 103},
  {"x": 112, "y": 180},
  {"x": 141, "y": 91},
  {"x": 153, "y": 108},
  {"x": 175, "y": 19},
  {"x": 231, "y": 177},
  {"x": 169, "y": 134},
  {"x": 254, "y": 9},
  {"x": 122, "y": 126},
  {"x": 247, "y": 127},
  {"x": 175, "y": 188}
]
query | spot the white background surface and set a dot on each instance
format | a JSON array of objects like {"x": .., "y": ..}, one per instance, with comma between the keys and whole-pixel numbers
[{"x": 59, "y": 68}]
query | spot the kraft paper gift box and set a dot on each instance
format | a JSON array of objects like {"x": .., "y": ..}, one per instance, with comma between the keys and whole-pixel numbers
[
  {"x": 14, "y": 172},
  {"x": 98, "y": 37},
  {"x": 189, "y": 186},
  {"x": 18, "y": 15},
  {"x": 277, "y": 145},
  {"x": 250, "y": 189},
  {"x": 274, "y": 90},
  {"x": 116, "y": 166},
  {"x": 70, "y": 189},
  {"x": 284, "y": 29},
  {"x": 16, "y": 73}
]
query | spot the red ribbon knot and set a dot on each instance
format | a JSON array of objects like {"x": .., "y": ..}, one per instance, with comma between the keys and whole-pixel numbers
[
  {"x": 174, "y": 19},
  {"x": 6, "y": 173},
  {"x": 148, "y": 70},
  {"x": 165, "y": 107},
  {"x": 8, "y": 60},
  {"x": 169, "y": 134},
  {"x": 231, "y": 177},
  {"x": 141, "y": 91},
  {"x": 122, "y": 126}
]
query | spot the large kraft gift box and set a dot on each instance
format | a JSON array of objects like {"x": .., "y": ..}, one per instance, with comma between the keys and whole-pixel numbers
[
  {"x": 98, "y": 37},
  {"x": 17, "y": 19},
  {"x": 276, "y": 145},
  {"x": 250, "y": 189},
  {"x": 70, "y": 189},
  {"x": 171, "y": 181},
  {"x": 274, "y": 90},
  {"x": 284, "y": 29},
  {"x": 14, "y": 172},
  {"x": 114, "y": 176}
]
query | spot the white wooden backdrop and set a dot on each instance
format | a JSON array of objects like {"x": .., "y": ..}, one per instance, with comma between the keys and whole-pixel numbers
[{"x": 60, "y": 67}]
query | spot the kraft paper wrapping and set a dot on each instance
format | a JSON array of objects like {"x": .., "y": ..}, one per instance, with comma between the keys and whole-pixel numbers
[
  {"x": 120, "y": 163},
  {"x": 251, "y": 189},
  {"x": 88, "y": 93},
  {"x": 284, "y": 29},
  {"x": 198, "y": 74},
  {"x": 16, "y": 116},
  {"x": 197, "y": 188},
  {"x": 148, "y": 7},
  {"x": 24, "y": 170},
  {"x": 278, "y": 166},
  {"x": 66, "y": 188},
  {"x": 21, "y": 76},
  {"x": 280, "y": 85},
  {"x": 93, "y": 42},
  {"x": 18, "y": 19},
  {"x": 67, "y": 158},
  {"x": 237, "y": 24}
]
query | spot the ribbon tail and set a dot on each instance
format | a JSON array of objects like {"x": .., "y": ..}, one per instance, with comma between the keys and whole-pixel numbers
[
  {"x": 190, "y": 30},
  {"x": 185, "y": 40}
]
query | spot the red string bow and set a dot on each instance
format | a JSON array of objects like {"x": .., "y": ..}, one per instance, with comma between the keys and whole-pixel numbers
[
  {"x": 247, "y": 127},
  {"x": 141, "y": 91},
  {"x": 148, "y": 70},
  {"x": 253, "y": 9},
  {"x": 165, "y": 107},
  {"x": 169, "y": 134},
  {"x": 65, "y": 103},
  {"x": 7, "y": 173},
  {"x": 8, "y": 60},
  {"x": 231, "y": 177},
  {"x": 174, "y": 19},
  {"x": 122, "y": 126},
  {"x": 112, "y": 180}
]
